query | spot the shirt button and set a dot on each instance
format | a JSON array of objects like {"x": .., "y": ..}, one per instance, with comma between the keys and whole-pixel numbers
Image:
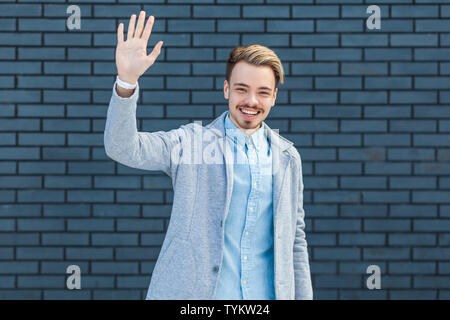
[
  {"x": 244, "y": 282},
  {"x": 246, "y": 233},
  {"x": 251, "y": 209},
  {"x": 254, "y": 184},
  {"x": 245, "y": 257},
  {"x": 216, "y": 268}
]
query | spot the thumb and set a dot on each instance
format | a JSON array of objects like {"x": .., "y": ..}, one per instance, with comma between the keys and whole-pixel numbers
[{"x": 155, "y": 52}]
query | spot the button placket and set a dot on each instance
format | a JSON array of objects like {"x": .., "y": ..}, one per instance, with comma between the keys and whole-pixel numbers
[{"x": 246, "y": 258}]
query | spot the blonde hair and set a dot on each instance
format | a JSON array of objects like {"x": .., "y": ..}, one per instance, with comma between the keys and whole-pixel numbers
[{"x": 257, "y": 55}]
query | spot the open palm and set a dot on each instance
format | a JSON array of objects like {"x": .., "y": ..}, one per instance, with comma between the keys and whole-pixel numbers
[{"x": 131, "y": 55}]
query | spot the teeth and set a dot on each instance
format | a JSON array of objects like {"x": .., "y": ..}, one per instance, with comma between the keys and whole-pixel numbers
[{"x": 248, "y": 112}]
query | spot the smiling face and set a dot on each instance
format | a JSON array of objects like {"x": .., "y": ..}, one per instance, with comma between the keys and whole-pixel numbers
[{"x": 251, "y": 94}]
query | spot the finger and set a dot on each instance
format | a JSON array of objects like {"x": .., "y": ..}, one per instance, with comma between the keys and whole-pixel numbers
[
  {"x": 120, "y": 34},
  {"x": 155, "y": 52},
  {"x": 148, "y": 28},
  {"x": 140, "y": 24},
  {"x": 131, "y": 26}
]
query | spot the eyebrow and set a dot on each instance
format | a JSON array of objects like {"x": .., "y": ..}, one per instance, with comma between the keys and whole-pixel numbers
[{"x": 246, "y": 85}]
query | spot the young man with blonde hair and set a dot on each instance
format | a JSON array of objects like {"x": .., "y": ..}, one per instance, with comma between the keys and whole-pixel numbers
[{"x": 236, "y": 229}]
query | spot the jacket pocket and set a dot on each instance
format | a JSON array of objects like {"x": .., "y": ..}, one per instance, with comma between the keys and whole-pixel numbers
[{"x": 174, "y": 275}]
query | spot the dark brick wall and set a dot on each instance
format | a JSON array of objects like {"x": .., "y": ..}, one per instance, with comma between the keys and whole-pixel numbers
[{"x": 369, "y": 111}]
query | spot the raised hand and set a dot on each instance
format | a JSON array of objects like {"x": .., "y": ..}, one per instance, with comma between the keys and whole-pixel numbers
[{"x": 131, "y": 55}]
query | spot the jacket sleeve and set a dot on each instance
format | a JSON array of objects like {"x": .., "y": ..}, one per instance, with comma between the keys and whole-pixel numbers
[
  {"x": 302, "y": 274},
  {"x": 141, "y": 150}
]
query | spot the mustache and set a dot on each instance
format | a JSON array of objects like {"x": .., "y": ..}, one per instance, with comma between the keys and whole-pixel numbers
[{"x": 247, "y": 107}]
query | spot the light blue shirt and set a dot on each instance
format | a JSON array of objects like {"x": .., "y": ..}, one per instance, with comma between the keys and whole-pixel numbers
[{"x": 248, "y": 264}]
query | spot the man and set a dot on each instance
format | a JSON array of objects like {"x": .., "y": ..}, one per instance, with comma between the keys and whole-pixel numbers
[{"x": 236, "y": 229}]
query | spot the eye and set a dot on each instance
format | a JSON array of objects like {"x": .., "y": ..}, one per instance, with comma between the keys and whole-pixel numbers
[
  {"x": 266, "y": 93},
  {"x": 241, "y": 89}
]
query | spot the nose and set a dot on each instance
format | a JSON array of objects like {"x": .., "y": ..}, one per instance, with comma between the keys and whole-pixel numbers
[{"x": 251, "y": 100}]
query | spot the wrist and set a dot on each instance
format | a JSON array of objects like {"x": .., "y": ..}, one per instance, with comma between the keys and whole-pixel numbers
[{"x": 127, "y": 79}]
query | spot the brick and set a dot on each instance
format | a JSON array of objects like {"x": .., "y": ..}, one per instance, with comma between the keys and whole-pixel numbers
[
  {"x": 315, "y": 40},
  {"x": 340, "y": 168},
  {"x": 89, "y": 253},
  {"x": 40, "y": 196},
  {"x": 416, "y": 40},
  {"x": 278, "y": 25},
  {"x": 37, "y": 111},
  {"x": 20, "y": 294},
  {"x": 140, "y": 196},
  {"x": 364, "y": 210},
  {"x": 115, "y": 210},
  {"x": 42, "y": 167},
  {"x": 16, "y": 267},
  {"x": 388, "y": 225},
  {"x": 66, "y": 210},
  {"x": 339, "y": 253},
  {"x": 68, "y": 294},
  {"x": 19, "y": 210},
  {"x": 90, "y": 196},
  {"x": 114, "y": 239},
  {"x": 47, "y": 224},
  {"x": 67, "y": 39},
  {"x": 24, "y": 182},
  {"x": 140, "y": 225},
  {"x": 90, "y": 224},
  {"x": 430, "y": 254},
  {"x": 422, "y": 239},
  {"x": 37, "y": 139},
  {"x": 7, "y": 196},
  {"x": 65, "y": 239},
  {"x": 385, "y": 196},
  {"x": 182, "y": 25},
  {"x": 19, "y": 125},
  {"x": 211, "y": 11},
  {"x": 39, "y": 281},
  {"x": 132, "y": 282},
  {"x": 363, "y": 182},
  {"x": 391, "y": 112},
  {"x": 337, "y": 225},
  {"x": 412, "y": 183},
  {"x": 19, "y": 239},
  {"x": 7, "y": 167},
  {"x": 387, "y": 54},
  {"x": 39, "y": 253},
  {"x": 97, "y": 167},
  {"x": 336, "y": 196},
  {"x": 20, "y": 39},
  {"x": 265, "y": 11},
  {"x": 311, "y": 11},
  {"x": 241, "y": 25},
  {"x": 362, "y": 154},
  {"x": 386, "y": 253},
  {"x": 136, "y": 254},
  {"x": 415, "y": 210},
  {"x": 386, "y": 139},
  {"x": 413, "y": 294},
  {"x": 338, "y": 82},
  {"x": 117, "y": 295}
]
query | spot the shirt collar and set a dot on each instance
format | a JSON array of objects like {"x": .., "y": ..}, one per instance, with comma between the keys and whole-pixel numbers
[{"x": 239, "y": 137}]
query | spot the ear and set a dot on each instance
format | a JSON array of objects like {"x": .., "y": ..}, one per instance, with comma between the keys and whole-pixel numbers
[{"x": 226, "y": 89}]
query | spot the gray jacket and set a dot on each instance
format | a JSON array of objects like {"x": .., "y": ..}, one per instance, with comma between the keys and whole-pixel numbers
[{"x": 191, "y": 255}]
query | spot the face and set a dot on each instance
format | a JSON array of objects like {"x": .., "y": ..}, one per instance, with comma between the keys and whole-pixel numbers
[{"x": 251, "y": 94}]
